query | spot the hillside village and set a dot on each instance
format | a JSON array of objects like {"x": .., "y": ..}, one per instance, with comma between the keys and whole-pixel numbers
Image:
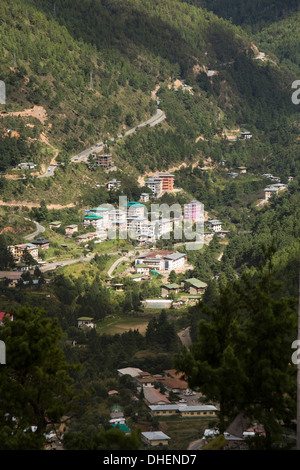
[
  {"x": 164, "y": 395},
  {"x": 149, "y": 225}
]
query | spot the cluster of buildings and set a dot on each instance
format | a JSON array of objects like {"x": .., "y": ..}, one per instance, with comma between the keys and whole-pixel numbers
[
  {"x": 131, "y": 219},
  {"x": 190, "y": 291},
  {"x": 276, "y": 185},
  {"x": 190, "y": 286},
  {"x": 241, "y": 170},
  {"x": 273, "y": 189},
  {"x": 18, "y": 251},
  {"x": 26, "y": 166},
  {"x": 160, "y": 183},
  {"x": 159, "y": 403}
]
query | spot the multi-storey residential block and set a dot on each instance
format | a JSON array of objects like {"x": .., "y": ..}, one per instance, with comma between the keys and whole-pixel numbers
[
  {"x": 156, "y": 186},
  {"x": 193, "y": 211},
  {"x": 103, "y": 160},
  {"x": 19, "y": 250},
  {"x": 167, "y": 180}
]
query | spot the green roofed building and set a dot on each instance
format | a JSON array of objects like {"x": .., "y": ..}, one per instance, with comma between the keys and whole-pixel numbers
[
  {"x": 194, "y": 286},
  {"x": 166, "y": 289},
  {"x": 92, "y": 217},
  {"x": 135, "y": 209},
  {"x": 122, "y": 427},
  {"x": 94, "y": 220}
]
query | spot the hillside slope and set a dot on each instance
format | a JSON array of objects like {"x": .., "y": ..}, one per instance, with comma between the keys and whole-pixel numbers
[{"x": 91, "y": 67}]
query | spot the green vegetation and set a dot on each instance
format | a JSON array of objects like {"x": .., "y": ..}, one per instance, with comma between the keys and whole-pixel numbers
[
  {"x": 87, "y": 71},
  {"x": 242, "y": 356},
  {"x": 35, "y": 383}
]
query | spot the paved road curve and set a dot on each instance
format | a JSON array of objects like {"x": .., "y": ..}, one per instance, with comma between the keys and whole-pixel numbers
[
  {"x": 153, "y": 121},
  {"x": 83, "y": 156},
  {"x": 39, "y": 229}
]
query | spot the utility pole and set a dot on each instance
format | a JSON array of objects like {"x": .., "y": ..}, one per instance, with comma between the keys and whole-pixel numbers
[{"x": 298, "y": 372}]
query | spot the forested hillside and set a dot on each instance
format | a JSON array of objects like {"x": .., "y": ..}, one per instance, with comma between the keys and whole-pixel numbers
[
  {"x": 273, "y": 25},
  {"x": 78, "y": 72},
  {"x": 93, "y": 75}
]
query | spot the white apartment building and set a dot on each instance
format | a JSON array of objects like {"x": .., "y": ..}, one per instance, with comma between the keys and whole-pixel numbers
[
  {"x": 94, "y": 220},
  {"x": 135, "y": 209},
  {"x": 215, "y": 225},
  {"x": 103, "y": 212},
  {"x": 113, "y": 184},
  {"x": 156, "y": 186},
  {"x": 163, "y": 260}
]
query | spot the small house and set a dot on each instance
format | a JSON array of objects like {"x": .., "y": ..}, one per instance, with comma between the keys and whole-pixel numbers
[
  {"x": 142, "y": 269},
  {"x": 86, "y": 322},
  {"x": 215, "y": 225},
  {"x": 153, "y": 396},
  {"x": 41, "y": 243},
  {"x": 70, "y": 229},
  {"x": 246, "y": 135},
  {"x": 117, "y": 287},
  {"x": 144, "y": 197},
  {"x": 155, "y": 438},
  {"x": 113, "y": 184},
  {"x": 242, "y": 169},
  {"x": 167, "y": 289},
  {"x": 86, "y": 237},
  {"x": 269, "y": 192},
  {"x": 194, "y": 286},
  {"x": 55, "y": 225}
]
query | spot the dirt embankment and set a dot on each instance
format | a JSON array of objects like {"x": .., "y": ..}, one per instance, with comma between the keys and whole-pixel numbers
[
  {"x": 37, "y": 112},
  {"x": 30, "y": 205},
  {"x": 40, "y": 113}
]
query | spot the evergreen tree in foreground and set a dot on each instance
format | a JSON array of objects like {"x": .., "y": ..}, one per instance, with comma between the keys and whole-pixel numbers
[
  {"x": 242, "y": 358},
  {"x": 35, "y": 385}
]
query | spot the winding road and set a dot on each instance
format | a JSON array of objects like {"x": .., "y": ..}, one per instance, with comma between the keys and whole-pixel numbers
[
  {"x": 153, "y": 121},
  {"x": 39, "y": 229},
  {"x": 83, "y": 156}
]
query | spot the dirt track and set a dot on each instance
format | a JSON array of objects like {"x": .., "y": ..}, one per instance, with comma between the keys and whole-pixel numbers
[{"x": 35, "y": 204}]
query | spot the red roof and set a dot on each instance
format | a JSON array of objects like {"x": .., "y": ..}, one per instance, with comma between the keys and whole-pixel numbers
[{"x": 2, "y": 314}]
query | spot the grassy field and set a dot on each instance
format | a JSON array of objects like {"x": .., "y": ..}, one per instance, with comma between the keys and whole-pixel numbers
[
  {"x": 118, "y": 325},
  {"x": 87, "y": 269},
  {"x": 182, "y": 431}
]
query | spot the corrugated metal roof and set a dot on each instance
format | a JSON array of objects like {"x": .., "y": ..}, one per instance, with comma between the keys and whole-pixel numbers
[{"x": 155, "y": 435}]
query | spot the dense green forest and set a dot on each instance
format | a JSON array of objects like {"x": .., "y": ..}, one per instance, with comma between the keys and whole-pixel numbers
[
  {"x": 89, "y": 71},
  {"x": 273, "y": 25}
]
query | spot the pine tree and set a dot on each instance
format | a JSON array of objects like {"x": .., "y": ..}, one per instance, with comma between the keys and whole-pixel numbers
[
  {"x": 242, "y": 358},
  {"x": 35, "y": 385}
]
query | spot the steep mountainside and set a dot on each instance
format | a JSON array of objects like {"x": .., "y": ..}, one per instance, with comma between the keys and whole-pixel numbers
[
  {"x": 273, "y": 25},
  {"x": 77, "y": 72}
]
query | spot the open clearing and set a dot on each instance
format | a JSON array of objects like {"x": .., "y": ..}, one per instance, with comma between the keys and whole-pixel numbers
[{"x": 113, "y": 326}]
